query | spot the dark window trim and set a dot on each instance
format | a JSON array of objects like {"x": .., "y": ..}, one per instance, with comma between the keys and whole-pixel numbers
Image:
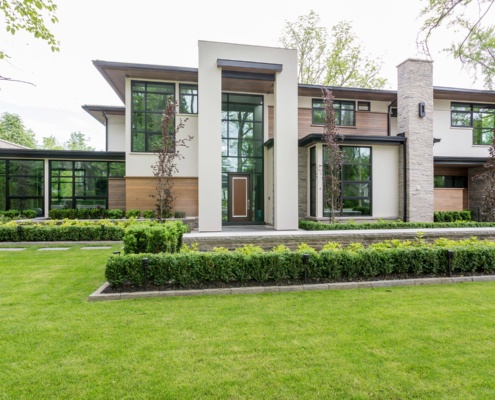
[
  {"x": 190, "y": 85},
  {"x": 146, "y": 133},
  {"x": 8, "y": 197},
  {"x": 338, "y": 120}
]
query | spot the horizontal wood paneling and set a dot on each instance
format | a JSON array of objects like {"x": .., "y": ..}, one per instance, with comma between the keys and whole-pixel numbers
[
  {"x": 451, "y": 199},
  {"x": 116, "y": 193},
  {"x": 185, "y": 189},
  {"x": 367, "y": 124},
  {"x": 271, "y": 122}
]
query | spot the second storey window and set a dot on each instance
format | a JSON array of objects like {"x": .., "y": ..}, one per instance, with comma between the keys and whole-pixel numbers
[
  {"x": 188, "y": 102},
  {"x": 480, "y": 117},
  {"x": 345, "y": 112},
  {"x": 149, "y": 99}
]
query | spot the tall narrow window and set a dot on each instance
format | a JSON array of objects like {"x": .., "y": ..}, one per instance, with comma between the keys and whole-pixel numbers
[
  {"x": 188, "y": 99},
  {"x": 149, "y": 100},
  {"x": 312, "y": 180}
]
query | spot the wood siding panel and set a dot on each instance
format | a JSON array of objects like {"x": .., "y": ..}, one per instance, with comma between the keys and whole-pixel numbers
[
  {"x": 116, "y": 193},
  {"x": 185, "y": 190},
  {"x": 367, "y": 124},
  {"x": 271, "y": 122},
  {"x": 451, "y": 199}
]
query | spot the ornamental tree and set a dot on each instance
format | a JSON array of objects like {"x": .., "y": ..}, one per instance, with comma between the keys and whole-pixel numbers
[
  {"x": 168, "y": 154},
  {"x": 333, "y": 159}
]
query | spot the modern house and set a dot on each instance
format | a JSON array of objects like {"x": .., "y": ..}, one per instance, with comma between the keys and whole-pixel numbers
[{"x": 257, "y": 152}]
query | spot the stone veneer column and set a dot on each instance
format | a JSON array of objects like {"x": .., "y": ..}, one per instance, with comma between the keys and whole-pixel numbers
[{"x": 415, "y": 85}]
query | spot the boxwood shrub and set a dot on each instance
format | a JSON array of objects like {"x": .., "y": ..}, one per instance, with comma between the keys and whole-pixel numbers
[
  {"x": 196, "y": 268},
  {"x": 42, "y": 233},
  {"x": 319, "y": 226},
  {"x": 154, "y": 237}
]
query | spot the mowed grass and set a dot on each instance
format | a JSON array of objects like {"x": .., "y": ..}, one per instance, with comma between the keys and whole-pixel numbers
[{"x": 430, "y": 342}]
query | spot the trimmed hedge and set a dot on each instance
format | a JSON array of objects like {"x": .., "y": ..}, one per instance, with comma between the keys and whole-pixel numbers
[
  {"x": 452, "y": 216},
  {"x": 319, "y": 226},
  {"x": 80, "y": 213},
  {"x": 44, "y": 233},
  {"x": 154, "y": 238},
  {"x": 193, "y": 268}
]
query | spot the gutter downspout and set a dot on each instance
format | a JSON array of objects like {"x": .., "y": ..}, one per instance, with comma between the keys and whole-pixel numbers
[
  {"x": 106, "y": 129},
  {"x": 405, "y": 179}
]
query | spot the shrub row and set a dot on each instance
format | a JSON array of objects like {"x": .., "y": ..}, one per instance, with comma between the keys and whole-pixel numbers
[
  {"x": 101, "y": 213},
  {"x": 42, "y": 233},
  {"x": 154, "y": 238},
  {"x": 319, "y": 226},
  {"x": 15, "y": 214},
  {"x": 194, "y": 268},
  {"x": 452, "y": 216},
  {"x": 85, "y": 213}
]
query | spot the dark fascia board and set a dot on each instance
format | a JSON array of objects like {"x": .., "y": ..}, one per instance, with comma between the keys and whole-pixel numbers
[
  {"x": 63, "y": 154},
  {"x": 353, "y": 139},
  {"x": 98, "y": 112},
  {"x": 248, "y": 75},
  {"x": 459, "y": 160},
  {"x": 236, "y": 65},
  {"x": 348, "y": 92},
  {"x": 448, "y": 93},
  {"x": 104, "y": 66}
]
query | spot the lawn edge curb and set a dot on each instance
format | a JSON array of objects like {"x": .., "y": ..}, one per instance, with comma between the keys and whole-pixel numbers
[{"x": 99, "y": 296}]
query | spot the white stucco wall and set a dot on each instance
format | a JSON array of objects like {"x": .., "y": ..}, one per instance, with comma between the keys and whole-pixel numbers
[
  {"x": 139, "y": 164},
  {"x": 285, "y": 194},
  {"x": 385, "y": 175},
  {"x": 455, "y": 142},
  {"x": 116, "y": 132}
]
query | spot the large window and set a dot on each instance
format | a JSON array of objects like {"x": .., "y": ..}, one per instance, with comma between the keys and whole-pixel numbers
[
  {"x": 149, "y": 99},
  {"x": 21, "y": 185},
  {"x": 81, "y": 184},
  {"x": 242, "y": 149},
  {"x": 312, "y": 180},
  {"x": 449, "y": 181},
  {"x": 355, "y": 181},
  {"x": 480, "y": 117},
  {"x": 188, "y": 99},
  {"x": 345, "y": 112}
]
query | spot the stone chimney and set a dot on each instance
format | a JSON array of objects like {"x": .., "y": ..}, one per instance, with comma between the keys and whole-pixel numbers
[{"x": 415, "y": 121}]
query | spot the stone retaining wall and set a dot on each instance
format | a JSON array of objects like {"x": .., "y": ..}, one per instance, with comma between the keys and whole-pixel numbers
[{"x": 317, "y": 239}]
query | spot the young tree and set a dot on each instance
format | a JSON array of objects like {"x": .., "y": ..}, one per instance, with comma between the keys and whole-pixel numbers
[
  {"x": 78, "y": 141},
  {"x": 487, "y": 209},
  {"x": 29, "y": 16},
  {"x": 333, "y": 159},
  {"x": 348, "y": 65},
  {"x": 310, "y": 41},
  {"x": 13, "y": 130},
  {"x": 50, "y": 143},
  {"x": 470, "y": 24},
  {"x": 336, "y": 61},
  {"x": 168, "y": 153}
]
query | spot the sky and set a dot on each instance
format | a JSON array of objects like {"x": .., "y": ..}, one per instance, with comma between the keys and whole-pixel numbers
[{"x": 167, "y": 33}]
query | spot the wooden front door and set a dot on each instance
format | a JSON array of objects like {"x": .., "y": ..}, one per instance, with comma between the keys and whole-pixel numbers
[{"x": 240, "y": 197}]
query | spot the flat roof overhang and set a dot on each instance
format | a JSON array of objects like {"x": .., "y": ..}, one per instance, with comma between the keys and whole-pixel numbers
[
  {"x": 99, "y": 112},
  {"x": 116, "y": 72},
  {"x": 460, "y": 161},
  {"x": 468, "y": 95},
  {"x": 63, "y": 154},
  {"x": 315, "y": 138},
  {"x": 348, "y": 93}
]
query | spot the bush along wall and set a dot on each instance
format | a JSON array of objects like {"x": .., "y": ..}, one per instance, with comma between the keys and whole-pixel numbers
[
  {"x": 154, "y": 237},
  {"x": 195, "y": 269},
  {"x": 44, "y": 233},
  {"x": 319, "y": 226},
  {"x": 452, "y": 216}
]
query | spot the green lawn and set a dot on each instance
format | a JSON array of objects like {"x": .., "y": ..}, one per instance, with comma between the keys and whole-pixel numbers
[{"x": 429, "y": 342}]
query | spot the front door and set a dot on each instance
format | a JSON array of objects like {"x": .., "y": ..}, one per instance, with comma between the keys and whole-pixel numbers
[{"x": 240, "y": 197}]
